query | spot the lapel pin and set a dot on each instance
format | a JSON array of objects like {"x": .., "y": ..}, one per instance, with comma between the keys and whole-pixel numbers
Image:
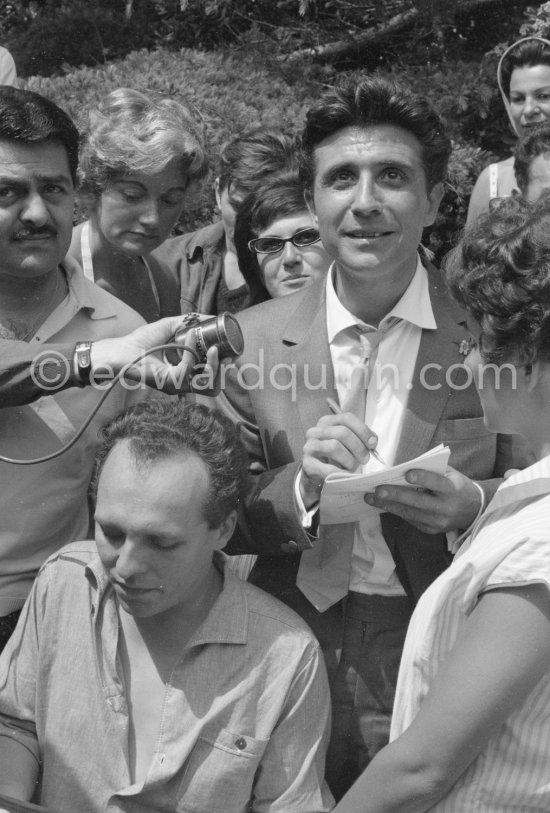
[{"x": 465, "y": 346}]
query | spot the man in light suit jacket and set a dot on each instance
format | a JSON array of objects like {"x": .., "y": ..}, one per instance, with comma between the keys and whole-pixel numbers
[{"x": 374, "y": 163}]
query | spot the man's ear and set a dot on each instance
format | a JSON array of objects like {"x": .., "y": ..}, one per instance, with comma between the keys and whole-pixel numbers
[
  {"x": 308, "y": 195},
  {"x": 435, "y": 197},
  {"x": 225, "y": 530}
]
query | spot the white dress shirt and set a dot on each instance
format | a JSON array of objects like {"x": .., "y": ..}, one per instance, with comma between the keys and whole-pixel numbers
[{"x": 373, "y": 567}]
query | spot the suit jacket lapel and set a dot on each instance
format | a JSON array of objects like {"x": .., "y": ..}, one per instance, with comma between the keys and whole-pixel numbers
[
  {"x": 439, "y": 350},
  {"x": 307, "y": 349},
  {"x": 419, "y": 557}
]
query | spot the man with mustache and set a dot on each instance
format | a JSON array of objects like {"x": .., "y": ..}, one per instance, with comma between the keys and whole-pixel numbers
[
  {"x": 374, "y": 163},
  {"x": 46, "y": 308}
]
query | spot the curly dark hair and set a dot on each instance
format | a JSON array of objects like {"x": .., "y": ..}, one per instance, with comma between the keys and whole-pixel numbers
[
  {"x": 159, "y": 429},
  {"x": 370, "y": 101},
  {"x": 534, "y": 143},
  {"x": 500, "y": 273}
]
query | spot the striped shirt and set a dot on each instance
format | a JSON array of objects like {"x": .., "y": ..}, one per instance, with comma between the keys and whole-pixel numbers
[{"x": 509, "y": 546}]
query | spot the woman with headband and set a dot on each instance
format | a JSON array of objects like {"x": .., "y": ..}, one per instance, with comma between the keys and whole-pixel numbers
[{"x": 523, "y": 76}]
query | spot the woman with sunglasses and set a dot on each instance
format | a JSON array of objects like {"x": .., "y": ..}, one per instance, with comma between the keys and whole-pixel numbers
[{"x": 278, "y": 245}]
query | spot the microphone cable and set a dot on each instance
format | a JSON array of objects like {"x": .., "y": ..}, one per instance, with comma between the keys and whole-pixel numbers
[{"x": 34, "y": 461}]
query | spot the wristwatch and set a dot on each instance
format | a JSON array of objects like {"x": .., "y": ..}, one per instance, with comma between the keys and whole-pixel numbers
[{"x": 83, "y": 362}]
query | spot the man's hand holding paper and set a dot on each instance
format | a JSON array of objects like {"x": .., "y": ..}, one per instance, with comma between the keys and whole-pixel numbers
[
  {"x": 343, "y": 497},
  {"x": 434, "y": 503}
]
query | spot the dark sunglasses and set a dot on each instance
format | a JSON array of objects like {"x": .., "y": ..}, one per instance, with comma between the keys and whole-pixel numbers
[{"x": 270, "y": 245}]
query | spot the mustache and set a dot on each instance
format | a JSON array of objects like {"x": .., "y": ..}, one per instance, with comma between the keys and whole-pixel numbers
[{"x": 43, "y": 231}]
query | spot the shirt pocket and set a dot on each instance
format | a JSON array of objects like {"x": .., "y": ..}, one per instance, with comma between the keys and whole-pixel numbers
[
  {"x": 472, "y": 445},
  {"x": 219, "y": 775}
]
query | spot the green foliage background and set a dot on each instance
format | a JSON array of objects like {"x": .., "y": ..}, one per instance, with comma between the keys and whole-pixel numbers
[{"x": 236, "y": 72}]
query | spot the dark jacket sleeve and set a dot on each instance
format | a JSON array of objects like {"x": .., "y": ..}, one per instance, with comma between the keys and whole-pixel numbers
[
  {"x": 195, "y": 260},
  {"x": 27, "y": 371},
  {"x": 167, "y": 288}
]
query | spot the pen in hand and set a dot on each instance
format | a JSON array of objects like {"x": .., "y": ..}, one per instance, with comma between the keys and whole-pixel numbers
[{"x": 336, "y": 410}]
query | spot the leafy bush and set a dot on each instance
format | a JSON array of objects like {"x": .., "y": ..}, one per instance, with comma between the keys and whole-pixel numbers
[
  {"x": 47, "y": 35},
  {"x": 466, "y": 163},
  {"x": 51, "y": 36},
  {"x": 538, "y": 21}
]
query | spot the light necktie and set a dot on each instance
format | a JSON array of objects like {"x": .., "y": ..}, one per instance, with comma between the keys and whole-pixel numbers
[
  {"x": 323, "y": 574},
  {"x": 356, "y": 398}
]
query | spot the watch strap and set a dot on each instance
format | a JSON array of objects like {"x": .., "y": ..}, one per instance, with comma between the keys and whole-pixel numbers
[{"x": 83, "y": 362}]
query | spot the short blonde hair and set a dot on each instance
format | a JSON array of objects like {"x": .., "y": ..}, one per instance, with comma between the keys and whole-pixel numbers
[{"x": 131, "y": 132}]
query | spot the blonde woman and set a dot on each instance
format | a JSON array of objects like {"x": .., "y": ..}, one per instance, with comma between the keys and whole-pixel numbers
[{"x": 139, "y": 160}]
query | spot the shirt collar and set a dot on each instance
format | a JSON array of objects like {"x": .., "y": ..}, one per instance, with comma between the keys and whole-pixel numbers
[
  {"x": 227, "y": 621},
  {"x": 86, "y": 294},
  {"x": 414, "y": 306},
  {"x": 99, "y": 583}
]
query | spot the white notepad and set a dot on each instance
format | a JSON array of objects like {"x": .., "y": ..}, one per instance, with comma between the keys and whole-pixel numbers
[{"x": 342, "y": 492}]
